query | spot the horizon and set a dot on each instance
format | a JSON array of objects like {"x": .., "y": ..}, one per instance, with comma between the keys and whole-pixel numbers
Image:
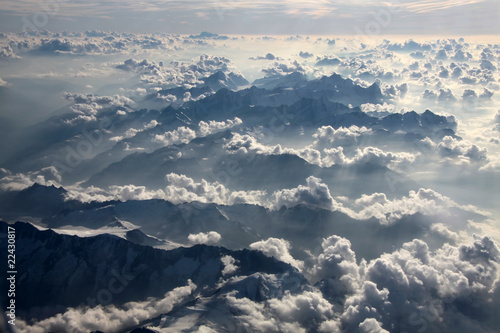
[{"x": 313, "y": 17}]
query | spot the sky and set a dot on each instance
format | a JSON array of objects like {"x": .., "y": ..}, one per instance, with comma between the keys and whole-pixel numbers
[{"x": 415, "y": 17}]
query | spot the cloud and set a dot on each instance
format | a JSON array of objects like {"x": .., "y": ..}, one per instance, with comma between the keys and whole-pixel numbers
[
  {"x": 286, "y": 68},
  {"x": 420, "y": 287},
  {"x": 6, "y": 53},
  {"x": 109, "y": 318},
  {"x": 425, "y": 201},
  {"x": 410, "y": 288},
  {"x": 248, "y": 144},
  {"x": 179, "y": 135},
  {"x": 496, "y": 121},
  {"x": 209, "y": 35},
  {"x": 299, "y": 313},
  {"x": 88, "y": 106},
  {"x": 279, "y": 249},
  {"x": 305, "y": 55},
  {"x": 131, "y": 132},
  {"x": 336, "y": 267},
  {"x": 48, "y": 176},
  {"x": 268, "y": 56},
  {"x": 369, "y": 155},
  {"x": 340, "y": 136},
  {"x": 442, "y": 95},
  {"x": 451, "y": 147},
  {"x": 114, "y": 192},
  {"x": 327, "y": 61},
  {"x": 230, "y": 265},
  {"x": 207, "y": 128},
  {"x": 184, "y": 189},
  {"x": 409, "y": 46},
  {"x": 315, "y": 193},
  {"x": 443, "y": 231},
  {"x": 371, "y": 325},
  {"x": 178, "y": 73},
  {"x": 207, "y": 238}
]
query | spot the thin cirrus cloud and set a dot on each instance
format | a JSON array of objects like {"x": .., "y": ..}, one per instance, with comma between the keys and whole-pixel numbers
[
  {"x": 427, "y": 6},
  {"x": 237, "y": 16}
]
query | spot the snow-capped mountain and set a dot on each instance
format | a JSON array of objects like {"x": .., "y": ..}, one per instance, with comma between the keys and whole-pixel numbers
[{"x": 60, "y": 271}]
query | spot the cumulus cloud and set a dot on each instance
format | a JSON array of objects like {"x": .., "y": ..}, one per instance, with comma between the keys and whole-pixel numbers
[
  {"x": 230, "y": 265},
  {"x": 184, "y": 189},
  {"x": 340, "y": 136},
  {"x": 131, "y": 132},
  {"x": 48, "y": 176},
  {"x": 248, "y": 144},
  {"x": 6, "y": 52},
  {"x": 207, "y": 128},
  {"x": 336, "y": 267},
  {"x": 180, "y": 135},
  {"x": 114, "y": 192},
  {"x": 109, "y": 318},
  {"x": 326, "y": 136},
  {"x": 279, "y": 249},
  {"x": 425, "y": 201},
  {"x": 207, "y": 238},
  {"x": 452, "y": 147},
  {"x": 409, "y": 46},
  {"x": 443, "y": 231},
  {"x": 327, "y": 61},
  {"x": 305, "y": 55},
  {"x": 314, "y": 193},
  {"x": 420, "y": 287},
  {"x": 88, "y": 106},
  {"x": 178, "y": 73},
  {"x": 268, "y": 56},
  {"x": 496, "y": 121},
  {"x": 442, "y": 95},
  {"x": 369, "y": 155},
  {"x": 286, "y": 68},
  {"x": 295, "y": 313},
  {"x": 180, "y": 189}
]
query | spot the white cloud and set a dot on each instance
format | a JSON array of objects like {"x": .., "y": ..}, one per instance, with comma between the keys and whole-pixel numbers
[
  {"x": 315, "y": 193},
  {"x": 230, "y": 265},
  {"x": 299, "y": 313},
  {"x": 278, "y": 68},
  {"x": 371, "y": 325},
  {"x": 247, "y": 144},
  {"x": 369, "y": 155},
  {"x": 337, "y": 266},
  {"x": 131, "y": 132},
  {"x": 425, "y": 201},
  {"x": 114, "y": 192},
  {"x": 180, "y": 135},
  {"x": 178, "y": 73},
  {"x": 15, "y": 182},
  {"x": 207, "y": 128},
  {"x": 414, "y": 283},
  {"x": 109, "y": 318},
  {"x": 88, "y": 106},
  {"x": 207, "y": 238},
  {"x": 340, "y": 136},
  {"x": 279, "y": 249},
  {"x": 451, "y": 147},
  {"x": 443, "y": 231},
  {"x": 185, "y": 189}
]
